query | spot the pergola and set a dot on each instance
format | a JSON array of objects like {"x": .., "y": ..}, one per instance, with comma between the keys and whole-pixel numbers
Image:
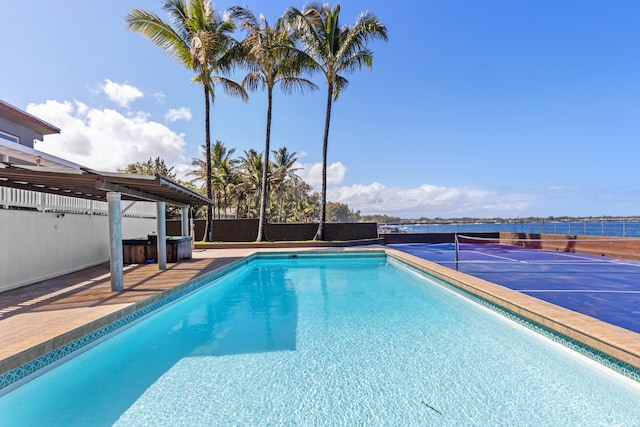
[{"x": 111, "y": 188}]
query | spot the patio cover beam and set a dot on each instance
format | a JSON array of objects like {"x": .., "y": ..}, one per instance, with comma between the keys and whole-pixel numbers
[{"x": 108, "y": 186}]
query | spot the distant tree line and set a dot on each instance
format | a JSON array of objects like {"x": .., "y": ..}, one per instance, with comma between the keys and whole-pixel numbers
[
  {"x": 386, "y": 219},
  {"x": 237, "y": 183},
  {"x": 237, "y": 186}
]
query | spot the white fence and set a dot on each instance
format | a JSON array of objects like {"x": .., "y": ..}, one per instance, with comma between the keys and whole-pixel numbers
[
  {"x": 45, "y": 235},
  {"x": 39, "y": 245},
  {"x": 44, "y": 202}
]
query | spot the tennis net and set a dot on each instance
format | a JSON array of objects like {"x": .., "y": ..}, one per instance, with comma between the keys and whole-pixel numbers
[{"x": 622, "y": 248}]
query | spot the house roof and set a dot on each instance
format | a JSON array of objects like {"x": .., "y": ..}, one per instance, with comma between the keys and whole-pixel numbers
[
  {"x": 94, "y": 185},
  {"x": 28, "y": 155},
  {"x": 15, "y": 115}
]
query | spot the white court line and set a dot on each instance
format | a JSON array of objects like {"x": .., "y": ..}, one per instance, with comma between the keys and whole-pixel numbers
[
  {"x": 499, "y": 257},
  {"x": 585, "y": 260},
  {"x": 511, "y": 261},
  {"x": 589, "y": 259},
  {"x": 570, "y": 255},
  {"x": 536, "y": 263},
  {"x": 566, "y": 255}
]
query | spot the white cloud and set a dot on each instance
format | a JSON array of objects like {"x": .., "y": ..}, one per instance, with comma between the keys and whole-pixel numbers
[
  {"x": 311, "y": 173},
  {"x": 106, "y": 139},
  {"x": 121, "y": 93},
  {"x": 430, "y": 201},
  {"x": 174, "y": 114},
  {"x": 159, "y": 96},
  {"x": 82, "y": 109},
  {"x": 182, "y": 171},
  {"x": 422, "y": 201}
]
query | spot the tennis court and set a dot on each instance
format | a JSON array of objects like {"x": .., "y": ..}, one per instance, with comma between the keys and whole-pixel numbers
[{"x": 604, "y": 288}]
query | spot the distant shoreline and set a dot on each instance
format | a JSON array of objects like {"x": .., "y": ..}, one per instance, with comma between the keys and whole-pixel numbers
[
  {"x": 498, "y": 220},
  {"x": 625, "y": 227}
]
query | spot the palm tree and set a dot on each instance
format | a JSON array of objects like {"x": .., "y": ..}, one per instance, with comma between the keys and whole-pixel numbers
[
  {"x": 272, "y": 59},
  {"x": 224, "y": 179},
  {"x": 283, "y": 172},
  {"x": 251, "y": 167},
  {"x": 200, "y": 39},
  {"x": 303, "y": 210},
  {"x": 220, "y": 154},
  {"x": 224, "y": 172},
  {"x": 200, "y": 171},
  {"x": 152, "y": 167},
  {"x": 336, "y": 49},
  {"x": 222, "y": 166}
]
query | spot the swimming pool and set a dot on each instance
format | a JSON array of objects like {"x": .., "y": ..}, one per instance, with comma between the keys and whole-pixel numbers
[{"x": 325, "y": 340}]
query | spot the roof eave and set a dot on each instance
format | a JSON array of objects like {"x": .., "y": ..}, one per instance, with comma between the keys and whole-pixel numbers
[{"x": 23, "y": 118}]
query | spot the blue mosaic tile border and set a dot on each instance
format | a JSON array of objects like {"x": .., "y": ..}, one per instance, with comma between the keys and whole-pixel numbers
[
  {"x": 598, "y": 356},
  {"x": 371, "y": 253},
  {"x": 56, "y": 355}
]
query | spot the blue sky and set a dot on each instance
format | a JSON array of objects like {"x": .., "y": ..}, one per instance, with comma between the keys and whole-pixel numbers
[{"x": 473, "y": 108}]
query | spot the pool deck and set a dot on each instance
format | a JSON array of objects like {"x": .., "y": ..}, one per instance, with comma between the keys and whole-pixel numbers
[{"x": 39, "y": 318}]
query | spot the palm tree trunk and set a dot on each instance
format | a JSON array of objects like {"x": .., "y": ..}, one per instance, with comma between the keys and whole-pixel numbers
[
  {"x": 226, "y": 202},
  {"x": 323, "y": 195},
  {"x": 209, "y": 225},
  {"x": 265, "y": 170}
]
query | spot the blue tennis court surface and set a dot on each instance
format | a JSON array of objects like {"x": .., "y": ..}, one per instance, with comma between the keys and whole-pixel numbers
[{"x": 605, "y": 288}]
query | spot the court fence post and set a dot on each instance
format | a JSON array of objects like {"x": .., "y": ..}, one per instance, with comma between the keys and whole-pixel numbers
[{"x": 457, "y": 248}]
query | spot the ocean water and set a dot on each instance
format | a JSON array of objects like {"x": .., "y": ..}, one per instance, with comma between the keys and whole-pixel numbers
[
  {"x": 588, "y": 228},
  {"x": 337, "y": 341}
]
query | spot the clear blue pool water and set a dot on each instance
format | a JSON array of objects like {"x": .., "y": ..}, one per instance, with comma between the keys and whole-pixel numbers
[{"x": 325, "y": 340}]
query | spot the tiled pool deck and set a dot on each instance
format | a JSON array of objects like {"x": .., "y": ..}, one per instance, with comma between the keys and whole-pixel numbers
[{"x": 39, "y": 318}]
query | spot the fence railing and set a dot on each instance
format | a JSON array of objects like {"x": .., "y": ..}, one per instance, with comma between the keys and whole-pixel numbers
[
  {"x": 13, "y": 198},
  {"x": 588, "y": 227}
]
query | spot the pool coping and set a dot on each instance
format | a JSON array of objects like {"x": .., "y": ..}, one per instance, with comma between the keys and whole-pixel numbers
[{"x": 612, "y": 346}]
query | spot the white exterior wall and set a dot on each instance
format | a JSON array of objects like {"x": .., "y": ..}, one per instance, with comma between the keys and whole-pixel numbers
[{"x": 39, "y": 245}]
